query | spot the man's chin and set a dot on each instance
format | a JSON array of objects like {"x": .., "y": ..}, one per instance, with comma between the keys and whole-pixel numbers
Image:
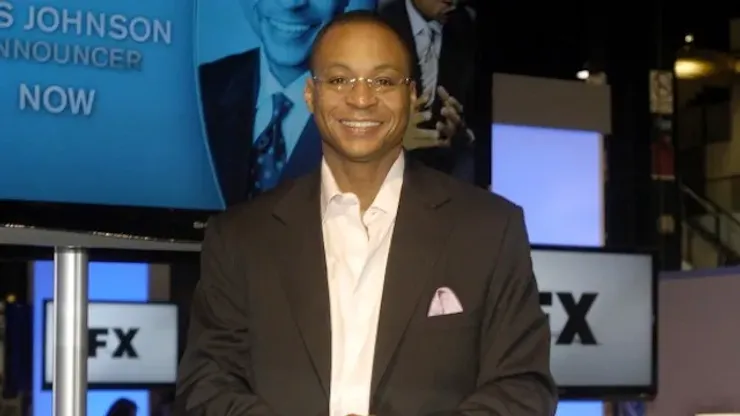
[
  {"x": 287, "y": 57},
  {"x": 367, "y": 154},
  {"x": 360, "y": 154}
]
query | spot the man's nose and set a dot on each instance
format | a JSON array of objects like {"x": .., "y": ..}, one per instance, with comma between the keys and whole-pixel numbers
[{"x": 361, "y": 95}]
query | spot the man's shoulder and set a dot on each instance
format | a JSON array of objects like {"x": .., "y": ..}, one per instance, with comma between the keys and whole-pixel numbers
[
  {"x": 392, "y": 8},
  {"x": 255, "y": 212},
  {"x": 222, "y": 67},
  {"x": 474, "y": 199},
  {"x": 482, "y": 218},
  {"x": 462, "y": 22},
  {"x": 394, "y": 13}
]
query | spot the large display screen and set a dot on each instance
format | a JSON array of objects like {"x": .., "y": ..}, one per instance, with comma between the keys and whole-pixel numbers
[
  {"x": 556, "y": 176},
  {"x": 129, "y": 344},
  {"x": 173, "y": 104},
  {"x": 601, "y": 308}
]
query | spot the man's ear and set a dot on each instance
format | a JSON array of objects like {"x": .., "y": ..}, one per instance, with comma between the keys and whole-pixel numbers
[{"x": 308, "y": 93}]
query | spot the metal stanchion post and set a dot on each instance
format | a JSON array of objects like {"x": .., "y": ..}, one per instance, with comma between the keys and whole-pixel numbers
[{"x": 70, "y": 331}]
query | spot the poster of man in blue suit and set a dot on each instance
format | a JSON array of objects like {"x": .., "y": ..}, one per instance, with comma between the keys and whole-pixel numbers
[{"x": 258, "y": 127}]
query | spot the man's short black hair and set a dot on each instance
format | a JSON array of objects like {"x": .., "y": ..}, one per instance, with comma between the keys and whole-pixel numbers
[{"x": 356, "y": 16}]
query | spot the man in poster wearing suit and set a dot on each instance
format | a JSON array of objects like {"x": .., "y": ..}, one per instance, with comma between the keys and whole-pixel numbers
[
  {"x": 374, "y": 285},
  {"x": 442, "y": 38},
  {"x": 259, "y": 131}
]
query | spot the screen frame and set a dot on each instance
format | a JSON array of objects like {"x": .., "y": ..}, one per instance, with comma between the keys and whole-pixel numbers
[
  {"x": 162, "y": 223},
  {"x": 618, "y": 392},
  {"x": 14, "y": 252},
  {"x": 47, "y": 386}
]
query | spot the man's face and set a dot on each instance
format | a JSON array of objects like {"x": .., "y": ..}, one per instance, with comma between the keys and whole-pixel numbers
[
  {"x": 287, "y": 28},
  {"x": 361, "y": 123},
  {"x": 435, "y": 9}
]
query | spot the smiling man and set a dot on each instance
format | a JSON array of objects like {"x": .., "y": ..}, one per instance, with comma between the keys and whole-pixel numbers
[
  {"x": 374, "y": 285},
  {"x": 259, "y": 130}
]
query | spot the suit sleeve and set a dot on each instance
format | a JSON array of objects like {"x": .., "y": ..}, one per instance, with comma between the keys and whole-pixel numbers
[
  {"x": 213, "y": 378},
  {"x": 514, "y": 375}
]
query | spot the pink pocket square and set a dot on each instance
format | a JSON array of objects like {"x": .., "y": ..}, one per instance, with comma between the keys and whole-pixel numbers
[{"x": 444, "y": 302}]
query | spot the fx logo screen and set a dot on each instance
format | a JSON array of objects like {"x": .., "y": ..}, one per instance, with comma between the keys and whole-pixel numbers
[
  {"x": 576, "y": 311},
  {"x": 121, "y": 338}
]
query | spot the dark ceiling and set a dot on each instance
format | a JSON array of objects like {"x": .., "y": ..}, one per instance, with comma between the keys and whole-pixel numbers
[{"x": 556, "y": 39}]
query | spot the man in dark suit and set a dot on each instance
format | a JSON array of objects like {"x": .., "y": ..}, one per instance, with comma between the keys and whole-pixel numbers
[
  {"x": 374, "y": 285},
  {"x": 259, "y": 132},
  {"x": 442, "y": 37}
]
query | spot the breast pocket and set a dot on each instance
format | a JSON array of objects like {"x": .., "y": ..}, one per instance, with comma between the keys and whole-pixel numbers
[
  {"x": 448, "y": 347},
  {"x": 449, "y": 309},
  {"x": 450, "y": 322}
]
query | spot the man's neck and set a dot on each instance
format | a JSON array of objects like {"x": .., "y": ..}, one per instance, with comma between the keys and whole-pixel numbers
[
  {"x": 285, "y": 75},
  {"x": 420, "y": 12},
  {"x": 361, "y": 179}
]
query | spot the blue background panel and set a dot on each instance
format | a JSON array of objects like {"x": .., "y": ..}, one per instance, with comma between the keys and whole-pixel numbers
[{"x": 108, "y": 281}]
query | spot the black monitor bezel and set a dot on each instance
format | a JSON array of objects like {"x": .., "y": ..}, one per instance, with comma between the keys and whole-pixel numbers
[
  {"x": 186, "y": 225},
  {"x": 160, "y": 223}
]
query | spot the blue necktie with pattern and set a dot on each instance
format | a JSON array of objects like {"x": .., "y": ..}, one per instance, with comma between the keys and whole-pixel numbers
[{"x": 269, "y": 155}]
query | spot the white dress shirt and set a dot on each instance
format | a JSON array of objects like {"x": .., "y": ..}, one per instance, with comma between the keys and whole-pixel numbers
[
  {"x": 428, "y": 42},
  {"x": 296, "y": 119},
  {"x": 357, "y": 247}
]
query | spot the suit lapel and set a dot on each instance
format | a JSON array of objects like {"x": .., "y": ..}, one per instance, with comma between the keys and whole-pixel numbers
[
  {"x": 457, "y": 57},
  {"x": 304, "y": 275},
  {"x": 238, "y": 107},
  {"x": 240, "y": 98},
  {"x": 420, "y": 235},
  {"x": 447, "y": 58},
  {"x": 398, "y": 17}
]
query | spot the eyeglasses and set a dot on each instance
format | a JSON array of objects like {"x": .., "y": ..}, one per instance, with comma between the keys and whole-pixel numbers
[{"x": 377, "y": 84}]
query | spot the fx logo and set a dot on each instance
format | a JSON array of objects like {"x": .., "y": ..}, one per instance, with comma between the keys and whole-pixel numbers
[
  {"x": 576, "y": 324},
  {"x": 98, "y": 338}
]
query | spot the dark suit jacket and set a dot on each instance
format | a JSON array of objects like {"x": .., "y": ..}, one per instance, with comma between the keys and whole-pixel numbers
[
  {"x": 456, "y": 74},
  {"x": 228, "y": 91},
  {"x": 260, "y": 337}
]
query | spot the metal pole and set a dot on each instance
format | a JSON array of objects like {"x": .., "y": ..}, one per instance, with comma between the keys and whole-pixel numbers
[{"x": 70, "y": 331}]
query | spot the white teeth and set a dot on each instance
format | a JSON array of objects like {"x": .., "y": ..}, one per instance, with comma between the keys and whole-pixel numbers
[
  {"x": 361, "y": 124},
  {"x": 289, "y": 27}
]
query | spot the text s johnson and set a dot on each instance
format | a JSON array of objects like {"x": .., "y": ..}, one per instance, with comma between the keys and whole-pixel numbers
[{"x": 47, "y": 19}]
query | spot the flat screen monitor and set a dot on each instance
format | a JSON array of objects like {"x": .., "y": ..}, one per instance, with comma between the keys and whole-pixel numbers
[
  {"x": 146, "y": 117},
  {"x": 602, "y": 309},
  {"x": 556, "y": 176},
  {"x": 130, "y": 345}
]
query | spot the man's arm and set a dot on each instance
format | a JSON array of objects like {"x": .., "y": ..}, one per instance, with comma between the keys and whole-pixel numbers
[
  {"x": 514, "y": 377},
  {"x": 213, "y": 375}
]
